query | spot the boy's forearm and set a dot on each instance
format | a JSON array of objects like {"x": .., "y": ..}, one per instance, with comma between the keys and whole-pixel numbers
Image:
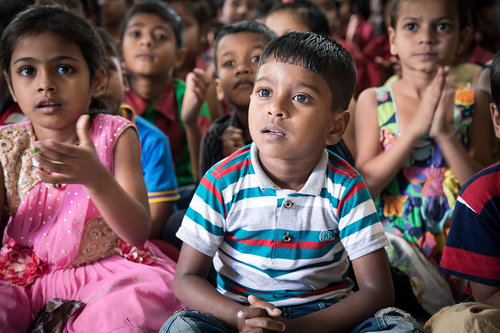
[
  {"x": 198, "y": 294},
  {"x": 344, "y": 315}
]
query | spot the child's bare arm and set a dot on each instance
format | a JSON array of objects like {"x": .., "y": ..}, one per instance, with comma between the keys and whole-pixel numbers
[
  {"x": 197, "y": 83},
  {"x": 192, "y": 288},
  {"x": 485, "y": 294},
  {"x": 121, "y": 199},
  {"x": 378, "y": 166},
  {"x": 463, "y": 163},
  {"x": 375, "y": 292},
  {"x": 3, "y": 217}
]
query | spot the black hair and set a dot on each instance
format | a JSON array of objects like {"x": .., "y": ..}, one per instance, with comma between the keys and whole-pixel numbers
[
  {"x": 495, "y": 80},
  {"x": 162, "y": 10},
  {"x": 463, "y": 7},
  {"x": 200, "y": 9},
  {"x": 307, "y": 12},
  {"x": 318, "y": 54},
  {"x": 242, "y": 26},
  {"x": 107, "y": 43},
  {"x": 56, "y": 20}
]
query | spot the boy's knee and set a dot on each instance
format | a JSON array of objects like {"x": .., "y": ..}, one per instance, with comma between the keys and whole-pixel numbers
[{"x": 191, "y": 321}]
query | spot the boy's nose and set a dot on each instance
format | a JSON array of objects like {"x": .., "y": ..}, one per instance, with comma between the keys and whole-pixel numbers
[
  {"x": 277, "y": 108},
  {"x": 146, "y": 40},
  {"x": 242, "y": 68}
]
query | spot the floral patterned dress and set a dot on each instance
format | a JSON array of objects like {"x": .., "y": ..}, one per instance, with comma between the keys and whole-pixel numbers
[
  {"x": 57, "y": 246},
  {"x": 419, "y": 201}
]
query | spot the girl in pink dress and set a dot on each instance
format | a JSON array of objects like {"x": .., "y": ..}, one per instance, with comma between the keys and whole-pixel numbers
[{"x": 78, "y": 217}]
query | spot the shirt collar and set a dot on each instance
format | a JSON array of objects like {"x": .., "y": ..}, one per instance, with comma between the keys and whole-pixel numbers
[
  {"x": 313, "y": 185},
  {"x": 166, "y": 103}
]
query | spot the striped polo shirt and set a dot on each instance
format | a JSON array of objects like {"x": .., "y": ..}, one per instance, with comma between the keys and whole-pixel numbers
[{"x": 285, "y": 246}]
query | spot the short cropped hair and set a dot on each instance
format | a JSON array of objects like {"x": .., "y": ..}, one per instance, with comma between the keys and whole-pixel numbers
[
  {"x": 321, "y": 55},
  {"x": 463, "y": 7},
  {"x": 309, "y": 13},
  {"x": 162, "y": 10},
  {"x": 495, "y": 80},
  {"x": 56, "y": 20},
  {"x": 242, "y": 26}
]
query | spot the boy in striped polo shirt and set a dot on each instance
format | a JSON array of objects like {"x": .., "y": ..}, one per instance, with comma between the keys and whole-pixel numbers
[{"x": 281, "y": 218}]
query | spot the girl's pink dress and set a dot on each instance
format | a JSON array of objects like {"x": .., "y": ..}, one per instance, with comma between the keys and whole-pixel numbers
[{"x": 57, "y": 246}]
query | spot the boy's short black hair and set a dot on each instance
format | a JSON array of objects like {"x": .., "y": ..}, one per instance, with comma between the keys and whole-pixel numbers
[
  {"x": 162, "y": 10},
  {"x": 200, "y": 9},
  {"x": 309, "y": 13},
  {"x": 463, "y": 7},
  {"x": 495, "y": 80},
  {"x": 320, "y": 55},
  {"x": 242, "y": 26}
]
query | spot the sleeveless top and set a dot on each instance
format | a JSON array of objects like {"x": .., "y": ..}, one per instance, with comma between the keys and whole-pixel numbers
[{"x": 418, "y": 203}]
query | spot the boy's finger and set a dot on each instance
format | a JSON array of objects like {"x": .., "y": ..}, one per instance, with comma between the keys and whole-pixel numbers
[
  {"x": 261, "y": 303},
  {"x": 265, "y": 323}
]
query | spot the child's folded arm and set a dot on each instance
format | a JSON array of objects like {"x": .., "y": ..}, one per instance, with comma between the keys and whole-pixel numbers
[
  {"x": 192, "y": 288},
  {"x": 486, "y": 294},
  {"x": 375, "y": 292}
]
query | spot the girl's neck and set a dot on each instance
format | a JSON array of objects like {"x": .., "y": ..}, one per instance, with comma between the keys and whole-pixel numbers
[
  {"x": 149, "y": 88},
  {"x": 416, "y": 82},
  {"x": 64, "y": 135}
]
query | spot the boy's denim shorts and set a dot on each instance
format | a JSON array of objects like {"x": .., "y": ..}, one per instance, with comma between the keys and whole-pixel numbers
[{"x": 389, "y": 320}]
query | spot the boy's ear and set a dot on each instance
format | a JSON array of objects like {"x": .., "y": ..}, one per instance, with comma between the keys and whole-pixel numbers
[
  {"x": 99, "y": 83},
  {"x": 340, "y": 122},
  {"x": 220, "y": 92},
  {"x": 392, "y": 38},
  {"x": 495, "y": 117},
  {"x": 180, "y": 57},
  {"x": 9, "y": 84}
]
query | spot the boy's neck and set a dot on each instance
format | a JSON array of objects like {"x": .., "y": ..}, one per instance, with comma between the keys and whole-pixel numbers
[
  {"x": 243, "y": 116},
  {"x": 150, "y": 88},
  {"x": 287, "y": 174}
]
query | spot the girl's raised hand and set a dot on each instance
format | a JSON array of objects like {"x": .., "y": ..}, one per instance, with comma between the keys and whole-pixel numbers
[
  {"x": 61, "y": 163},
  {"x": 445, "y": 105},
  {"x": 423, "y": 120}
]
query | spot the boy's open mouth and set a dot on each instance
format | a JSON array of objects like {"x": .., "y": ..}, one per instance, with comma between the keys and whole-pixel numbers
[{"x": 273, "y": 130}]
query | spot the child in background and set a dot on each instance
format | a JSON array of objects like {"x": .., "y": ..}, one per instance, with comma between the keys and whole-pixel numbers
[
  {"x": 111, "y": 14},
  {"x": 156, "y": 158},
  {"x": 237, "y": 10},
  {"x": 280, "y": 217},
  {"x": 237, "y": 51},
  {"x": 198, "y": 20},
  {"x": 472, "y": 249},
  {"x": 306, "y": 16},
  {"x": 151, "y": 39},
  {"x": 72, "y": 182},
  {"x": 420, "y": 139}
]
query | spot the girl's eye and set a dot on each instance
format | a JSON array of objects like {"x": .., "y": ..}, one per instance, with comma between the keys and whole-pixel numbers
[
  {"x": 301, "y": 98},
  {"x": 134, "y": 34},
  {"x": 263, "y": 92},
  {"x": 411, "y": 26},
  {"x": 228, "y": 63},
  {"x": 26, "y": 71},
  {"x": 255, "y": 58},
  {"x": 65, "y": 69},
  {"x": 443, "y": 27}
]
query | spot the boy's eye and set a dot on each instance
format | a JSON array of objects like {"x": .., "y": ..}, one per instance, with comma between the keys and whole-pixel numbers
[
  {"x": 228, "y": 63},
  {"x": 65, "y": 69},
  {"x": 26, "y": 71},
  {"x": 263, "y": 92},
  {"x": 411, "y": 26},
  {"x": 301, "y": 98},
  {"x": 159, "y": 36},
  {"x": 255, "y": 58}
]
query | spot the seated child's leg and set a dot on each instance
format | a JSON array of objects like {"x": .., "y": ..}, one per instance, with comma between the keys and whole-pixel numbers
[
  {"x": 390, "y": 320},
  {"x": 15, "y": 313},
  {"x": 194, "y": 321},
  {"x": 467, "y": 317}
]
